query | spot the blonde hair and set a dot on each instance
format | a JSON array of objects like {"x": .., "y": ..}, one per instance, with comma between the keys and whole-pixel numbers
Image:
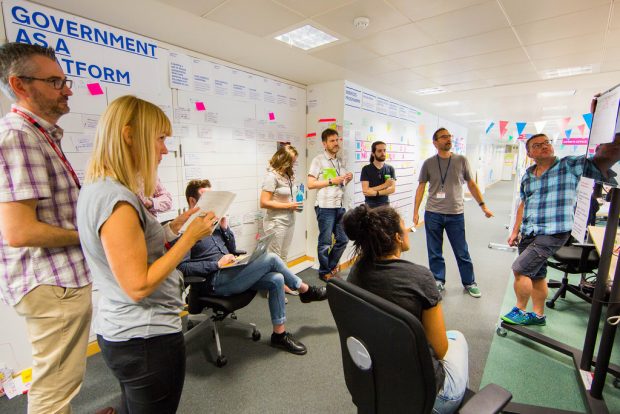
[
  {"x": 282, "y": 160},
  {"x": 135, "y": 165}
]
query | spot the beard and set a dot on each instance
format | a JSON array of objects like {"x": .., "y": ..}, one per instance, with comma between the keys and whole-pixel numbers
[
  {"x": 380, "y": 158},
  {"x": 54, "y": 108}
]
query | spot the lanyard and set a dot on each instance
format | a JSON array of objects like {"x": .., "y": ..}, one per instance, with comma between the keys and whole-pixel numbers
[
  {"x": 336, "y": 168},
  {"x": 442, "y": 175},
  {"x": 290, "y": 186},
  {"x": 52, "y": 144}
]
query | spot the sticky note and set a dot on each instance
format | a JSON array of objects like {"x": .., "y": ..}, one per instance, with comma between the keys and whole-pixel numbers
[
  {"x": 26, "y": 375},
  {"x": 272, "y": 116},
  {"x": 94, "y": 88},
  {"x": 200, "y": 106}
]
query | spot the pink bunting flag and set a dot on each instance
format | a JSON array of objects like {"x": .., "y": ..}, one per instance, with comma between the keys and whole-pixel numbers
[
  {"x": 564, "y": 123},
  {"x": 581, "y": 129},
  {"x": 503, "y": 127}
]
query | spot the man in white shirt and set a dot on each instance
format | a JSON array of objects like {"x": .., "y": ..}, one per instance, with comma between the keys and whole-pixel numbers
[{"x": 329, "y": 176}]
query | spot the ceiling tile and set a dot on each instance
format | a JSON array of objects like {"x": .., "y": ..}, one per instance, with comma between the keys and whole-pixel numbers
[
  {"x": 400, "y": 76},
  {"x": 569, "y": 61},
  {"x": 566, "y": 46},
  {"x": 612, "y": 40},
  {"x": 258, "y": 17},
  {"x": 397, "y": 40},
  {"x": 197, "y": 7},
  {"x": 422, "y": 9},
  {"x": 423, "y": 56},
  {"x": 503, "y": 57},
  {"x": 473, "y": 20},
  {"x": 524, "y": 11},
  {"x": 506, "y": 70},
  {"x": 484, "y": 43},
  {"x": 344, "y": 53},
  {"x": 381, "y": 15},
  {"x": 569, "y": 25},
  {"x": 446, "y": 80},
  {"x": 310, "y": 8},
  {"x": 374, "y": 66}
]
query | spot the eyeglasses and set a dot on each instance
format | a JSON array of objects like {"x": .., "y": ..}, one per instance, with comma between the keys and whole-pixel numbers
[
  {"x": 57, "y": 83},
  {"x": 539, "y": 145},
  {"x": 445, "y": 136}
]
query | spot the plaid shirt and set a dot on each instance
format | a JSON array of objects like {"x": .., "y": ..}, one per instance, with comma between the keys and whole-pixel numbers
[
  {"x": 31, "y": 169},
  {"x": 331, "y": 196},
  {"x": 550, "y": 199}
]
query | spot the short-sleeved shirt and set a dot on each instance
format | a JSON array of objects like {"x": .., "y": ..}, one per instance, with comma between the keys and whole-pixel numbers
[
  {"x": 456, "y": 171},
  {"x": 549, "y": 200},
  {"x": 377, "y": 176},
  {"x": 30, "y": 169},
  {"x": 324, "y": 167},
  {"x": 408, "y": 285},
  {"x": 283, "y": 189},
  {"x": 120, "y": 318}
]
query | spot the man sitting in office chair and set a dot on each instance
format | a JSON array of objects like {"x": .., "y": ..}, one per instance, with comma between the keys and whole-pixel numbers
[{"x": 210, "y": 256}]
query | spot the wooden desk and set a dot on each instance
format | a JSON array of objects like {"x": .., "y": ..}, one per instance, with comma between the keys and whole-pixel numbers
[{"x": 597, "y": 234}]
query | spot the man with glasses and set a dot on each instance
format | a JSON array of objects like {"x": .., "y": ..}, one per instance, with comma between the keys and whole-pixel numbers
[
  {"x": 545, "y": 219},
  {"x": 447, "y": 172},
  {"x": 44, "y": 273}
]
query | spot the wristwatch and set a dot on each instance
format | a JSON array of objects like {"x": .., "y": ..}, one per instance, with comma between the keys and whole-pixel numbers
[
  {"x": 330, "y": 181},
  {"x": 481, "y": 203},
  {"x": 377, "y": 193}
]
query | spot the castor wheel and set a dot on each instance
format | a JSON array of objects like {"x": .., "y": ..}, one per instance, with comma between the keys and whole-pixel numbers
[
  {"x": 256, "y": 336},
  {"x": 190, "y": 325},
  {"x": 616, "y": 382},
  {"x": 501, "y": 332},
  {"x": 221, "y": 361},
  {"x": 550, "y": 304},
  {"x": 233, "y": 316}
]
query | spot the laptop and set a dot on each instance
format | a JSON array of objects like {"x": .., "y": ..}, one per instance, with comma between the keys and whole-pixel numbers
[{"x": 261, "y": 248}]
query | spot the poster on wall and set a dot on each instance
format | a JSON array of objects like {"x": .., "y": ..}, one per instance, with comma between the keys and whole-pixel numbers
[{"x": 84, "y": 48}]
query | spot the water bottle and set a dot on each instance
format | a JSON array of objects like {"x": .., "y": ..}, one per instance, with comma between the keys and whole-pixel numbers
[{"x": 299, "y": 197}]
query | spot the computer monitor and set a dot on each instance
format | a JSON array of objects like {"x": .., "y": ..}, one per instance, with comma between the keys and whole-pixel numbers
[{"x": 604, "y": 141}]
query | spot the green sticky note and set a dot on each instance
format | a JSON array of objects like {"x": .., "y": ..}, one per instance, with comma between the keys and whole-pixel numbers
[{"x": 329, "y": 173}]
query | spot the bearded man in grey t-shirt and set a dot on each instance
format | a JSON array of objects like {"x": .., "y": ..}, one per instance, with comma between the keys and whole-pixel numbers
[{"x": 447, "y": 172}]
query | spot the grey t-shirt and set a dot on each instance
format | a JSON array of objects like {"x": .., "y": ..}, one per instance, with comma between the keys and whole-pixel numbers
[
  {"x": 118, "y": 317},
  {"x": 283, "y": 189},
  {"x": 456, "y": 171}
]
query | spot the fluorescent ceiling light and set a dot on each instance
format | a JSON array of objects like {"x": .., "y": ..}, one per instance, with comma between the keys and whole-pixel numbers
[
  {"x": 429, "y": 91},
  {"x": 465, "y": 114},
  {"x": 563, "y": 72},
  {"x": 556, "y": 94},
  {"x": 306, "y": 38},
  {"x": 554, "y": 108},
  {"x": 448, "y": 103}
]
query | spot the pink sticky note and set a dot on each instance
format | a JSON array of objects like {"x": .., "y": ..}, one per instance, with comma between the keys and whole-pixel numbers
[
  {"x": 272, "y": 116},
  {"x": 200, "y": 106},
  {"x": 94, "y": 88}
]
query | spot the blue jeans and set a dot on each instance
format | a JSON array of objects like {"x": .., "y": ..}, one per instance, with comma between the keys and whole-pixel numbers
[
  {"x": 268, "y": 272},
  {"x": 330, "y": 222},
  {"x": 454, "y": 224},
  {"x": 456, "y": 367}
]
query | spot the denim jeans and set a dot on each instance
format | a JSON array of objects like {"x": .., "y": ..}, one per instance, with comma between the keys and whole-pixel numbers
[
  {"x": 151, "y": 372},
  {"x": 454, "y": 225},
  {"x": 456, "y": 367},
  {"x": 268, "y": 272},
  {"x": 330, "y": 222}
]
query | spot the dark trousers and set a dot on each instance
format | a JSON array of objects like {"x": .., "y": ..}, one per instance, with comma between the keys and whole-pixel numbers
[
  {"x": 150, "y": 371},
  {"x": 330, "y": 222}
]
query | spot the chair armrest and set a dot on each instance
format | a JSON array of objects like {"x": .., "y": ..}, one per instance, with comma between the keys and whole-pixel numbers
[
  {"x": 193, "y": 280},
  {"x": 489, "y": 400},
  {"x": 584, "y": 245}
]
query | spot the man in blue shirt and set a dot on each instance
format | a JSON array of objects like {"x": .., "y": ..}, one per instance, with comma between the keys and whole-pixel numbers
[
  {"x": 544, "y": 219},
  {"x": 210, "y": 257},
  {"x": 378, "y": 178}
]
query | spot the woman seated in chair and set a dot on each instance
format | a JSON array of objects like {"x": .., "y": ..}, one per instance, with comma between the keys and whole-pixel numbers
[{"x": 380, "y": 237}]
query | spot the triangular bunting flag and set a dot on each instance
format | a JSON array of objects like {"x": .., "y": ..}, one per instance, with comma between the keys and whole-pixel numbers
[
  {"x": 568, "y": 132},
  {"x": 503, "y": 127},
  {"x": 540, "y": 125},
  {"x": 588, "y": 119},
  {"x": 581, "y": 129},
  {"x": 489, "y": 127},
  {"x": 520, "y": 127},
  {"x": 564, "y": 123}
]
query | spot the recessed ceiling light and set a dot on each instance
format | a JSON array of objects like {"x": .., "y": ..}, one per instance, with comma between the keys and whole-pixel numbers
[
  {"x": 429, "y": 91},
  {"x": 563, "y": 72},
  {"x": 448, "y": 103},
  {"x": 306, "y": 37},
  {"x": 554, "y": 108},
  {"x": 556, "y": 94},
  {"x": 465, "y": 114}
]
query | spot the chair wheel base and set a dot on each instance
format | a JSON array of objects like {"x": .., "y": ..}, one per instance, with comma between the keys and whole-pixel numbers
[
  {"x": 256, "y": 336},
  {"x": 221, "y": 361},
  {"x": 550, "y": 304},
  {"x": 501, "y": 332}
]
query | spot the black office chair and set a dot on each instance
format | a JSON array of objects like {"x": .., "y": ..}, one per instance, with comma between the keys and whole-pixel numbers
[
  {"x": 385, "y": 356},
  {"x": 223, "y": 308},
  {"x": 574, "y": 258}
]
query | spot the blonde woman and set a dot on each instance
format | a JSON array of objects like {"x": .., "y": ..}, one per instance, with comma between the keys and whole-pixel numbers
[
  {"x": 138, "y": 326},
  {"x": 278, "y": 198}
]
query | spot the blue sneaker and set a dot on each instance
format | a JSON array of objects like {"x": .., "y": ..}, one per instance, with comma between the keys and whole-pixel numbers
[
  {"x": 515, "y": 317},
  {"x": 533, "y": 319}
]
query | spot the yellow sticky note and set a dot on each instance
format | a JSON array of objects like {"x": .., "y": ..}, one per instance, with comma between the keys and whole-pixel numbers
[{"x": 26, "y": 375}]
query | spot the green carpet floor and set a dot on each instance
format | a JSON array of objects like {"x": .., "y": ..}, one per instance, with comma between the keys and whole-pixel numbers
[{"x": 538, "y": 375}]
